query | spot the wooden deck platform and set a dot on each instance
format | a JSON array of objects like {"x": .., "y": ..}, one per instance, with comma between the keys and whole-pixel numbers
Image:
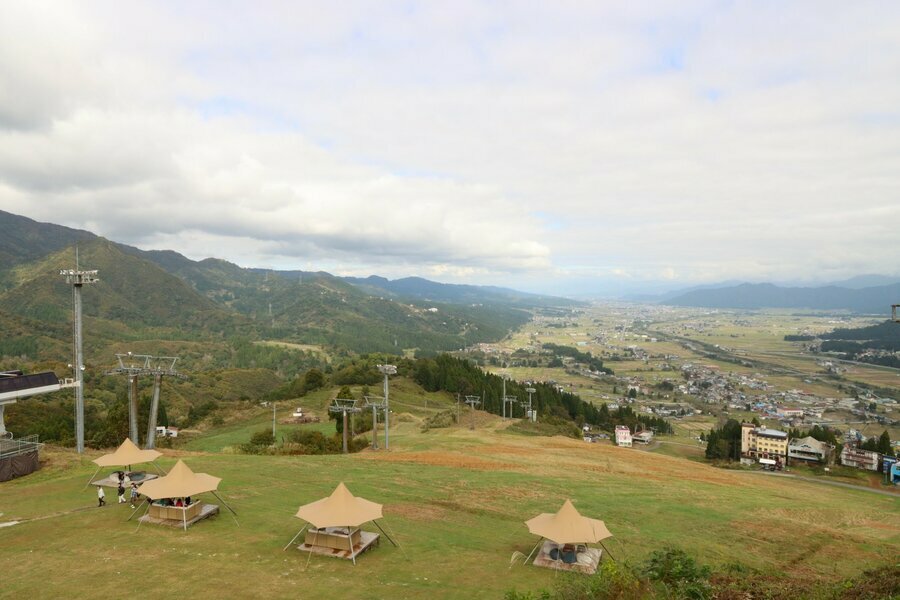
[
  {"x": 112, "y": 481},
  {"x": 587, "y": 560},
  {"x": 367, "y": 540},
  {"x": 206, "y": 511}
]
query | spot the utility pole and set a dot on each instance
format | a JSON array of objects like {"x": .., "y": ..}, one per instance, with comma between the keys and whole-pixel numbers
[
  {"x": 273, "y": 419},
  {"x": 387, "y": 370},
  {"x": 472, "y": 401},
  {"x": 77, "y": 278}
]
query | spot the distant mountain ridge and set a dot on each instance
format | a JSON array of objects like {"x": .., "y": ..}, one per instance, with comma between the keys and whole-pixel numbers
[
  {"x": 141, "y": 289},
  {"x": 868, "y": 300}
]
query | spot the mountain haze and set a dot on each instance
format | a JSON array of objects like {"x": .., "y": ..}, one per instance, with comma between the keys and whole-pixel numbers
[{"x": 869, "y": 300}]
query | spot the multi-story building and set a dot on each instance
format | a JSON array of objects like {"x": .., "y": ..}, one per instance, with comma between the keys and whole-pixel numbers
[
  {"x": 623, "y": 436},
  {"x": 763, "y": 445},
  {"x": 861, "y": 459},
  {"x": 809, "y": 449}
]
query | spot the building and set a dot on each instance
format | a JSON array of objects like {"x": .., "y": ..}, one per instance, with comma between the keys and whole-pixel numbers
[
  {"x": 765, "y": 446},
  {"x": 789, "y": 413},
  {"x": 643, "y": 437},
  {"x": 623, "y": 436},
  {"x": 809, "y": 449},
  {"x": 861, "y": 459}
]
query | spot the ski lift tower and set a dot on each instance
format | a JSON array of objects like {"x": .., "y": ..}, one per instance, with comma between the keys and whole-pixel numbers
[
  {"x": 473, "y": 401},
  {"x": 131, "y": 369},
  {"x": 387, "y": 370},
  {"x": 375, "y": 403},
  {"x": 134, "y": 366},
  {"x": 78, "y": 278},
  {"x": 157, "y": 366},
  {"x": 894, "y": 316},
  {"x": 531, "y": 411},
  {"x": 344, "y": 406},
  {"x": 511, "y": 401}
]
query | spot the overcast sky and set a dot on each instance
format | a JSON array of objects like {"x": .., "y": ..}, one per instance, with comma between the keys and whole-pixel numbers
[{"x": 556, "y": 146}]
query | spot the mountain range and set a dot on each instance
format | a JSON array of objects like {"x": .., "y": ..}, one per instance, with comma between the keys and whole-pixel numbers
[
  {"x": 866, "y": 300},
  {"x": 165, "y": 295}
]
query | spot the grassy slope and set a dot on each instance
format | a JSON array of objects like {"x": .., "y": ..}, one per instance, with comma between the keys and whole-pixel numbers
[{"x": 455, "y": 499}]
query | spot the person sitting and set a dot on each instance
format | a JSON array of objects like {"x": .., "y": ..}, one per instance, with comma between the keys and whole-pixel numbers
[
  {"x": 187, "y": 501},
  {"x": 179, "y": 503},
  {"x": 568, "y": 554}
]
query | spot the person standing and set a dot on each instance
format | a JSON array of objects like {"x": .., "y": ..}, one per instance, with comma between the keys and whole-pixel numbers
[
  {"x": 121, "y": 493},
  {"x": 134, "y": 493},
  {"x": 101, "y": 496}
]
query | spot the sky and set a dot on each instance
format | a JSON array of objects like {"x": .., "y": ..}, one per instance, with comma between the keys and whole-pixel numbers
[{"x": 559, "y": 147}]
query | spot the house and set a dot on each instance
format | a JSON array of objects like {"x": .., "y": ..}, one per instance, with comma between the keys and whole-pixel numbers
[
  {"x": 861, "y": 459},
  {"x": 623, "y": 436},
  {"x": 809, "y": 449},
  {"x": 643, "y": 437},
  {"x": 765, "y": 446}
]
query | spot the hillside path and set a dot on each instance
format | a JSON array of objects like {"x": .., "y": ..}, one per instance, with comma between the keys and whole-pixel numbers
[{"x": 826, "y": 482}]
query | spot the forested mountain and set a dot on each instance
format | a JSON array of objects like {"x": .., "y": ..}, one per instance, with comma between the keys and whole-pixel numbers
[
  {"x": 870, "y": 300},
  {"x": 877, "y": 344},
  {"x": 179, "y": 297},
  {"x": 423, "y": 289}
]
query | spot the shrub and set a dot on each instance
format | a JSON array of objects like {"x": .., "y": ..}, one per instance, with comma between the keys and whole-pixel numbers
[
  {"x": 679, "y": 572},
  {"x": 445, "y": 418}
]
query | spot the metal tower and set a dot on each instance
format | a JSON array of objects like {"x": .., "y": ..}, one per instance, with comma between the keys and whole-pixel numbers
[
  {"x": 376, "y": 403},
  {"x": 894, "y": 316},
  {"x": 473, "y": 401},
  {"x": 530, "y": 414},
  {"x": 387, "y": 370},
  {"x": 77, "y": 278},
  {"x": 511, "y": 400},
  {"x": 344, "y": 406},
  {"x": 134, "y": 366}
]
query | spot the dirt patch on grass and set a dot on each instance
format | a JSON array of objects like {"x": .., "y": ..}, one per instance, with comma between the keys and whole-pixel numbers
[{"x": 416, "y": 512}]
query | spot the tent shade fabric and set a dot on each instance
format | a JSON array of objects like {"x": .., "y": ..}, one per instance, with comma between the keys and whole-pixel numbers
[
  {"x": 180, "y": 483},
  {"x": 568, "y": 527},
  {"x": 340, "y": 509},
  {"x": 127, "y": 454}
]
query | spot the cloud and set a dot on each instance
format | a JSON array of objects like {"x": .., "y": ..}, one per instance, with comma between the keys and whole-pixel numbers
[{"x": 466, "y": 141}]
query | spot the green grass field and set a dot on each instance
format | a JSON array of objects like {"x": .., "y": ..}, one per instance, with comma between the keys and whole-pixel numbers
[{"x": 455, "y": 499}]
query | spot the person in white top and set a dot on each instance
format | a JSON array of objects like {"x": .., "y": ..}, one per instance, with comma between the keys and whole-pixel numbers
[{"x": 101, "y": 496}]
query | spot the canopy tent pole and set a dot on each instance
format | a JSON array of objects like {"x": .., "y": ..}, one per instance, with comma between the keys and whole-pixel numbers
[
  {"x": 350, "y": 539},
  {"x": 315, "y": 539},
  {"x": 91, "y": 480},
  {"x": 137, "y": 509},
  {"x": 540, "y": 541},
  {"x": 145, "y": 514},
  {"x": 385, "y": 534},
  {"x": 184, "y": 516},
  {"x": 302, "y": 529},
  {"x": 233, "y": 514},
  {"x": 607, "y": 551}
]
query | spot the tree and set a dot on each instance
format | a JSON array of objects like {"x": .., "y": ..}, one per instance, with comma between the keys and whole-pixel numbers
[
  {"x": 884, "y": 444},
  {"x": 632, "y": 393},
  {"x": 314, "y": 379}
]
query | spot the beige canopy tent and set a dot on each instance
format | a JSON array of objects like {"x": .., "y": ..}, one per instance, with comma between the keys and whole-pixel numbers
[
  {"x": 567, "y": 526},
  {"x": 340, "y": 509},
  {"x": 181, "y": 482},
  {"x": 126, "y": 455}
]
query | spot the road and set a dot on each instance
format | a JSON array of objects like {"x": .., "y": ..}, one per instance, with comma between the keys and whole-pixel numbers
[{"x": 828, "y": 482}]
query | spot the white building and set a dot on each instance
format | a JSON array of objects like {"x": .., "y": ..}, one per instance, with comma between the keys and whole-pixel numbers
[
  {"x": 861, "y": 459},
  {"x": 623, "y": 436}
]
